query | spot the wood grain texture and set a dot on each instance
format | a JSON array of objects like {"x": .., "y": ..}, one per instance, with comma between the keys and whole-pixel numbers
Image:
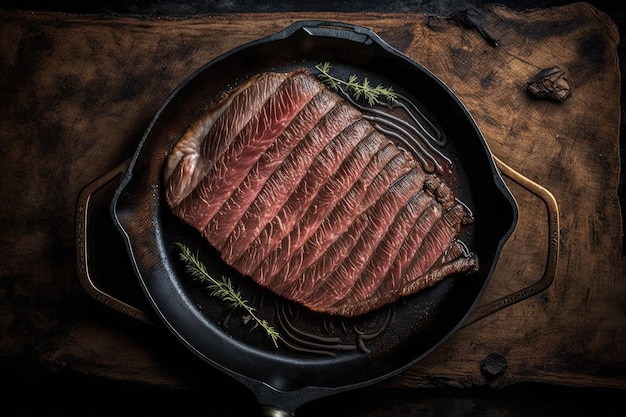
[{"x": 77, "y": 92}]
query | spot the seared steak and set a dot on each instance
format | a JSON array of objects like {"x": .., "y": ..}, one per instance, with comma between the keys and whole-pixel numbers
[{"x": 297, "y": 190}]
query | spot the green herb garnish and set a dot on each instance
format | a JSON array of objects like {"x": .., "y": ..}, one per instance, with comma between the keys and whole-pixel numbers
[
  {"x": 224, "y": 290},
  {"x": 353, "y": 86}
]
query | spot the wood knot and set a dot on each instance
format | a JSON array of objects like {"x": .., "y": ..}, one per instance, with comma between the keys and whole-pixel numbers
[
  {"x": 549, "y": 84},
  {"x": 494, "y": 365},
  {"x": 473, "y": 19}
]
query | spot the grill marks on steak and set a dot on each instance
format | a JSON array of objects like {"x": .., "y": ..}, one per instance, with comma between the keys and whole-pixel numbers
[
  {"x": 307, "y": 244},
  {"x": 309, "y": 195},
  {"x": 210, "y": 136},
  {"x": 298, "y": 191},
  {"x": 380, "y": 261},
  {"x": 377, "y": 219},
  {"x": 233, "y": 163},
  {"x": 298, "y": 178},
  {"x": 226, "y": 220}
]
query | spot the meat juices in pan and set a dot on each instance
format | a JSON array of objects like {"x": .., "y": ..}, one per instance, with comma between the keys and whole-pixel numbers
[{"x": 300, "y": 192}]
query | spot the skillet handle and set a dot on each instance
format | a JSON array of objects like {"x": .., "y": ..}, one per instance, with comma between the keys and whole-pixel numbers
[
  {"x": 83, "y": 227},
  {"x": 267, "y": 411},
  {"x": 553, "y": 248}
]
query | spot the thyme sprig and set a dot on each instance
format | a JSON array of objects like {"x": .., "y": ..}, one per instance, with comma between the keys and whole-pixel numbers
[
  {"x": 358, "y": 89},
  {"x": 224, "y": 290}
]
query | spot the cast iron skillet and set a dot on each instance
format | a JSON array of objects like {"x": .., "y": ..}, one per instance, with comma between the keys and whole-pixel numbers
[{"x": 283, "y": 378}]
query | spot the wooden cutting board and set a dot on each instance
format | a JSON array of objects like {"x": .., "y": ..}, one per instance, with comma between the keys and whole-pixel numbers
[{"x": 77, "y": 92}]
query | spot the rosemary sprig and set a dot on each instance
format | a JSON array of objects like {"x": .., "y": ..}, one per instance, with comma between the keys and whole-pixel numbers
[
  {"x": 224, "y": 290},
  {"x": 365, "y": 89}
]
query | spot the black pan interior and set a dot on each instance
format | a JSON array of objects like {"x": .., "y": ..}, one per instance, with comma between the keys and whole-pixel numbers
[{"x": 417, "y": 325}]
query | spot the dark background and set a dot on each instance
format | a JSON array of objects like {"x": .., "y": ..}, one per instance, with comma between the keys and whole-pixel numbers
[
  {"x": 32, "y": 391},
  {"x": 195, "y": 7}
]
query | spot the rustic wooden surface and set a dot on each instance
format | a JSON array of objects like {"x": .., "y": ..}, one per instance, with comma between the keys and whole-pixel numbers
[{"x": 77, "y": 92}]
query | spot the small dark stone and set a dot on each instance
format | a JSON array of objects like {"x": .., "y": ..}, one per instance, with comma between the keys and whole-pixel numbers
[
  {"x": 550, "y": 84},
  {"x": 494, "y": 365}
]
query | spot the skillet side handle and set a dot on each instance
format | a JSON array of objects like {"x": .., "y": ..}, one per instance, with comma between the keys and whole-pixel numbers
[
  {"x": 553, "y": 248},
  {"x": 339, "y": 30},
  {"x": 82, "y": 254}
]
